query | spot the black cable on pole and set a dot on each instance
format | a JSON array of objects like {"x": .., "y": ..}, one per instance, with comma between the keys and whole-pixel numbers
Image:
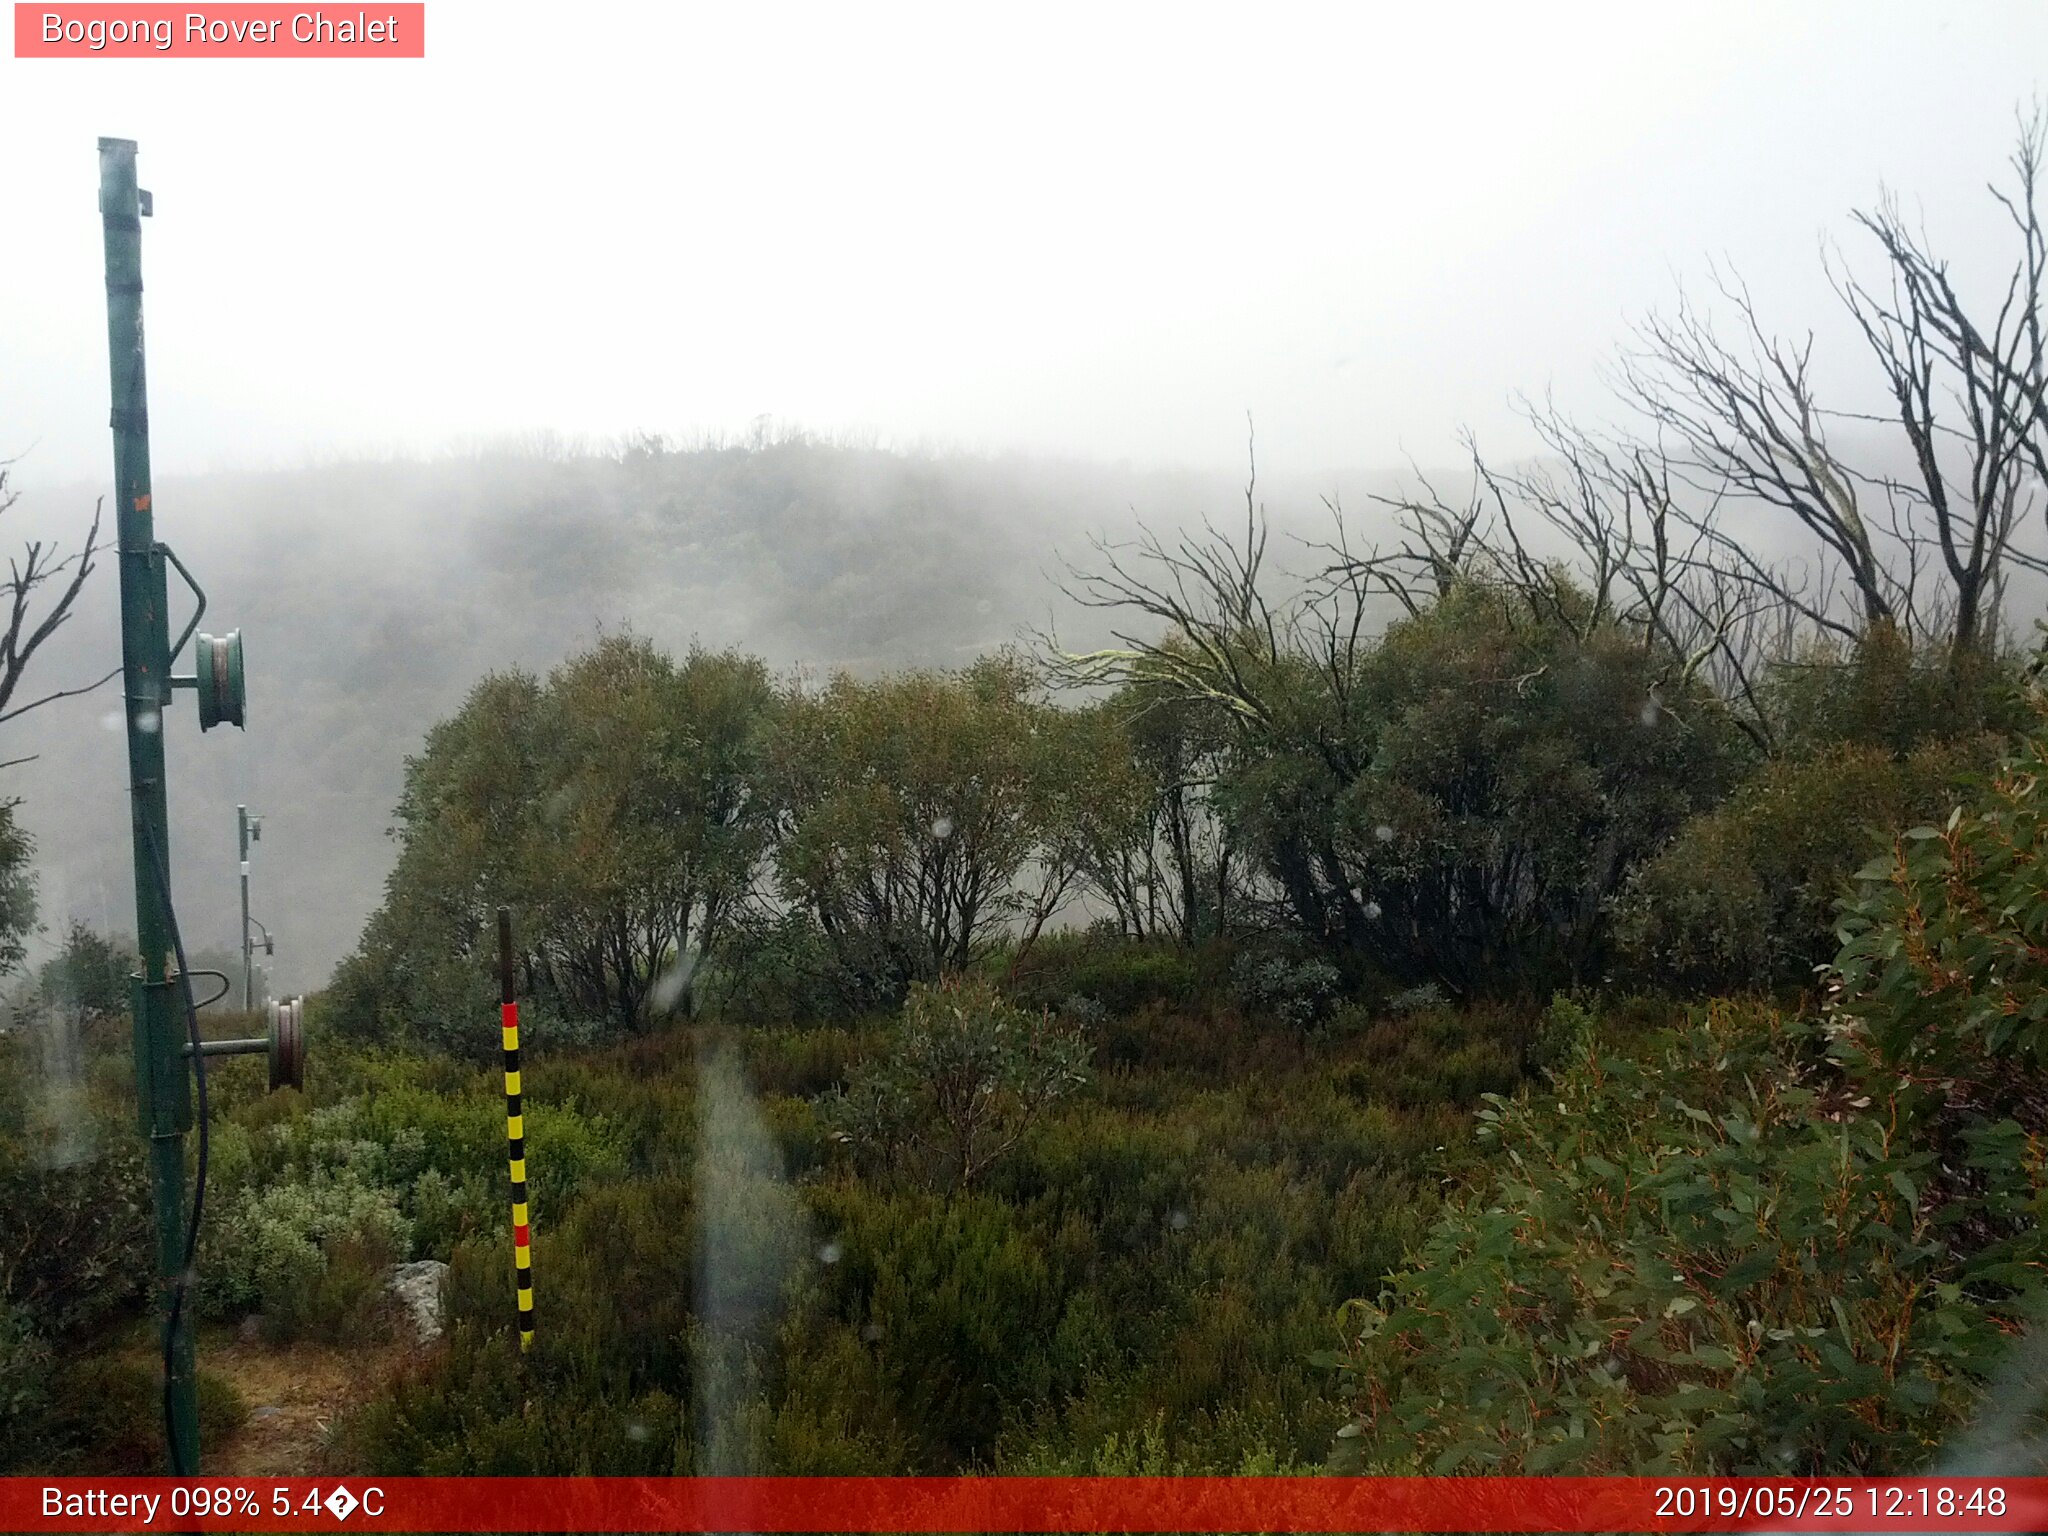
[{"x": 184, "y": 1280}]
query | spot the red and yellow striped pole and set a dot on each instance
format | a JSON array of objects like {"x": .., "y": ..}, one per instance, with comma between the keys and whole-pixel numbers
[{"x": 515, "y": 1131}]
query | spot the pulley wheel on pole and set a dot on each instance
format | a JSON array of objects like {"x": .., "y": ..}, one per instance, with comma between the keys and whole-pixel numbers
[
  {"x": 288, "y": 1043},
  {"x": 222, "y": 698}
]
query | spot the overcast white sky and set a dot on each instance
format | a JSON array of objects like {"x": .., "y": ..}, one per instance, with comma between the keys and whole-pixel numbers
[{"x": 1100, "y": 230}]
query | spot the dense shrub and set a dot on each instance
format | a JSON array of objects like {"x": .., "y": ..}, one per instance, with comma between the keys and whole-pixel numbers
[
  {"x": 1119, "y": 976},
  {"x": 105, "y": 1415},
  {"x": 1170, "y": 1248},
  {"x": 76, "y": 1250},
  {"x": 1438, "y": 1056},
  {"x": 1460, "y": 806},
  {"x": 963, "y": 1078},
  {"x": 89, "y": 976},
  {"x": 959, "y": 1302},
  {"x": 394, "y": 1138},
  {"x": 1713, "y": 1255},
  {"x": 614, "y": 807},
  {"x": 24, "y": 1387},
  {"x": 1886, "y": 696},
  {"x": 309, "y": 1255},
  {"x": 781, "y": 968},
  {"x": 1292, "y": 991},
  {"x": 1941, "y": 975},
  {"x": 1744, "y": 896},
  {"x": 909, "y": 807}
]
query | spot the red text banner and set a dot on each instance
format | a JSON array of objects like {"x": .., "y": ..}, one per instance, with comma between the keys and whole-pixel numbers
[
  {"x": 1048, "y": 1504},
  {"x": 226, "y": 31}
]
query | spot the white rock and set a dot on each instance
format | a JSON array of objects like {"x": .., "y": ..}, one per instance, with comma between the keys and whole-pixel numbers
[{"x": 418, "y": 1286}]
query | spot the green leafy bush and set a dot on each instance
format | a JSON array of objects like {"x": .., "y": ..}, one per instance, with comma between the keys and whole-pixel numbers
[
  {"x": 76, "y": 1250},
  {"x": 105, "y": 1415},
  {"x": 89, "y": 976},
  {"x": 966, "y": 1075},
  {"x": 1744, "y": 897},
  {"x": 310, "y": 1255},
  {"x": 1122, "y": 976},
  {"x": 401, "y": 1135},
  {"x": 1294, "y": 991},
  {"x": 1462, "y": 804},
  {"x": 781, "y": 968},
  {"x": 1437, "y": 1056},
  {"x": 1942, "y": 972},
  {"x": 959, "y": 1301},
  {"x": 1883, "y": 695},
  {"x": 24, "y": 1387},
  {"x": 1716, "y": 1254}
]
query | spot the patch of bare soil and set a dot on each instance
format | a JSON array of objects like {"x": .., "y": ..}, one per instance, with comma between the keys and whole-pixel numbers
[{"x": 294, "y": 1392}]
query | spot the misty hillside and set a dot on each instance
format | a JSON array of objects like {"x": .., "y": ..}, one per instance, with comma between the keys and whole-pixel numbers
[{"x": 373, "y": 595}]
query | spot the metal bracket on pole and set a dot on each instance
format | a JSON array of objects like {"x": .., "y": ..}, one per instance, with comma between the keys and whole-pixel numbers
[
  {"x": 163, "y": 1085},
  {"x": 285, "y": 1045}
]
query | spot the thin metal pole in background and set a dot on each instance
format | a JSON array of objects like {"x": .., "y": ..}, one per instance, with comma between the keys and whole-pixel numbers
[{"x": 248, "y": 962}]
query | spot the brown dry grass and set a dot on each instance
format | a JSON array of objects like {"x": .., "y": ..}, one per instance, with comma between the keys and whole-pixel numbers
[{"x": 308, "y": 1386}]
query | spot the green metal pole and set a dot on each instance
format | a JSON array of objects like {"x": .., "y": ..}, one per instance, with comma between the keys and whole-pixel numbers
[{"x": 162, "y": 1077}]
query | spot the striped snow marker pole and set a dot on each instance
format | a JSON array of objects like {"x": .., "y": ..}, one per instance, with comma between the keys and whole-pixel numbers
[{"x": 515, "y": 1131}]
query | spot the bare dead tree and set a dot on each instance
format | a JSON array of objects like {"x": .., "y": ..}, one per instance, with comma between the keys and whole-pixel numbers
[
  {"x": 1743, "y": 422},
  {"x": 1208, "y": 625},
  {"x": 1596, "y": 533},
  {"x": 1204, "y": 623},
  {"x": 34, "y": 614},
  {"x": 1969, "y": 395},
  {"x": 1929, "y": 553}
]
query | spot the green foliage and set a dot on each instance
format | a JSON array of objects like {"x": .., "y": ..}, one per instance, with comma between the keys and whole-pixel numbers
[
  {"x": 1712, "y": 1255},
  {"x": 25, "y": 1369},
  {"x": 89, "y": 976},
  {"x": 1885, "y": 696},
  {"x": 964, "y": 1078},
  {"x": 1487, "y": 775},
  {"x": 310, "y": 1206},
  {"x": 76, "y": 1250},
  {"x": 1438, "y": 1056},
  {"x": 910, "y": 807},
  {"x": 310, "y": 1255},
  {"x": 1170, "y": 1248},
  {"x": 1119, "y": 976},
  {"x": 105, "y": 1415},
  {"x": 783, "y": 968},
  {"x": 1145, "y": 836},
  {"x": 1744, "y": 897},
  {"x": 1940, "y": 974},
  {"x": 17, "y": 888},
  {"x": 959, "y": 1300},
  {"x": 1296, "y": 992},
  {"x": 615, "y": 808}
]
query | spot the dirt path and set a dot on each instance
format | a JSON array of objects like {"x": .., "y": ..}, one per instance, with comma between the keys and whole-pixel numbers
[{"x": 294, "y": 1393}]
